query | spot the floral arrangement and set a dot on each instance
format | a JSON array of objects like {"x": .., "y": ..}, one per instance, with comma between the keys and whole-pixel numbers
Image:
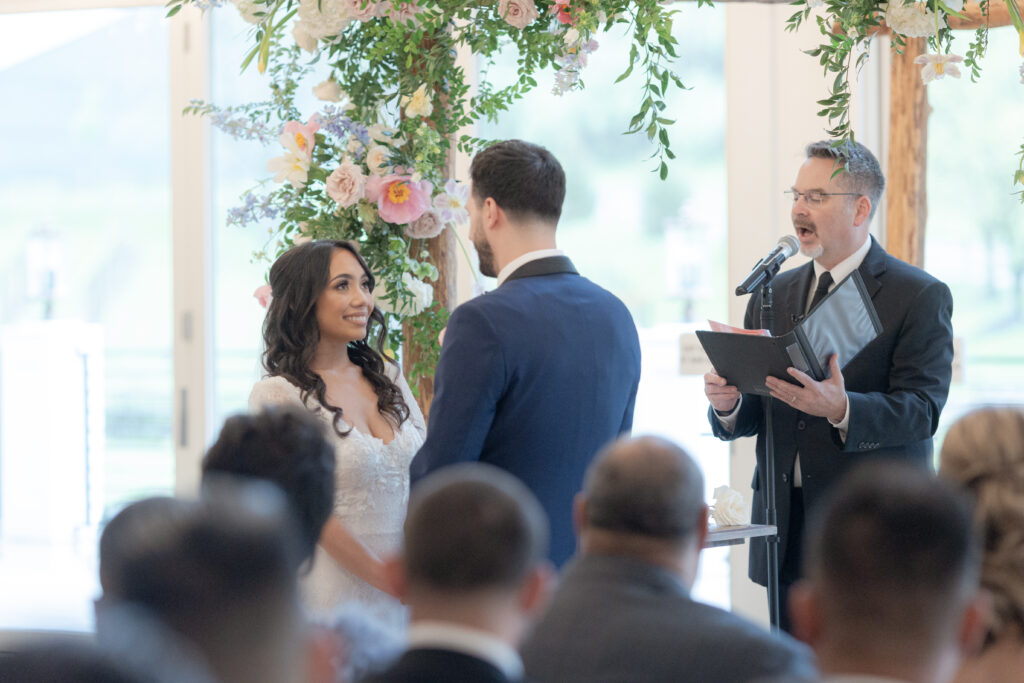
[
  {"x": 849, "y": 25},
  {"x": 372, "y": 163}
]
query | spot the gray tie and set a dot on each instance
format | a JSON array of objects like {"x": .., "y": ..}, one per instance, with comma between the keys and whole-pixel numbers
[{"x": 824, "y": 282}]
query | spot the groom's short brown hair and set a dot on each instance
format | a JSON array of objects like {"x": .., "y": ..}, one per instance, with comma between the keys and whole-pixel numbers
[{"x": 524, "y": 179}]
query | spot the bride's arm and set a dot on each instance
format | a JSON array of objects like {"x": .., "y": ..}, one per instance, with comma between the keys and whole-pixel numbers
[{"x": 350, "y": 553}]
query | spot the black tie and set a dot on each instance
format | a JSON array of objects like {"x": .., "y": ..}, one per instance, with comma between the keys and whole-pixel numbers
[{"x": 824, "y": 282}]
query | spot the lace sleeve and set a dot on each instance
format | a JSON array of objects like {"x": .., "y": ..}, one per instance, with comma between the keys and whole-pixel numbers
[
  {"x": 273, "y": 391},
  {"x": 415, "y": 414}
]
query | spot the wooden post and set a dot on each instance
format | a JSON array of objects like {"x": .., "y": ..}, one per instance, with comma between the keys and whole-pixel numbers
[
  {"x": 908, "y": 147},
  {"x": 442, "y": 254}
]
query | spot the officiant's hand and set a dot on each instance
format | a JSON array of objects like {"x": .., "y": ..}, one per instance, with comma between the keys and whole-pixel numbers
[
  {"x": 822, "y": 399},
  {"x": 723, "y": 396}
]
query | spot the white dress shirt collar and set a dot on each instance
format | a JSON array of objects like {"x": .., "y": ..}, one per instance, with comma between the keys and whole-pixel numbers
[
  {"x": 468, "y": 641},
  {"x": 522, "y": 260},
  {"x": 844, "y": 267}
]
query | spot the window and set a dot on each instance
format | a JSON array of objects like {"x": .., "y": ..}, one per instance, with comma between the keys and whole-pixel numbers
[
  {"x": 975, "y": 234},
  {"x": 85, "y": 306}
]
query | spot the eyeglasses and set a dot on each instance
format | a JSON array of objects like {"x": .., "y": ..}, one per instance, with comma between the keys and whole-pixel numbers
[{"x": 816, "y": 197}]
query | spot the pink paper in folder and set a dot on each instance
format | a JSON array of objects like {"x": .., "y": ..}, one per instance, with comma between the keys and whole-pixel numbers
[{"x": 722, "y": 327}]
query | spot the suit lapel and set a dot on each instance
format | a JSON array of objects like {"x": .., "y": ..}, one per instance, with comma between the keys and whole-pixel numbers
[
  {"x": 872, "y": 267},
  {"x": 551, "y": 265}
]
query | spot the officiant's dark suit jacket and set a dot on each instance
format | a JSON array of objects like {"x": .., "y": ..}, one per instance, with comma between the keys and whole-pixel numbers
[
  {"x": 439, "y": 666},
  {"x": 535, "y": 377},
  {"x": 615, "y": 619},
  {"x": 897, "y": 385}
]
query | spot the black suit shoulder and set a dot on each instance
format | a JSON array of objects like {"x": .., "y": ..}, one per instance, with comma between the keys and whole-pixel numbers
[{"x": 439, "y": 666}]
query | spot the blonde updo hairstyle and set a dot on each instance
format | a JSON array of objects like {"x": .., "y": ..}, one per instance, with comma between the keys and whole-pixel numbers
[{"x": 984, "y": 452}]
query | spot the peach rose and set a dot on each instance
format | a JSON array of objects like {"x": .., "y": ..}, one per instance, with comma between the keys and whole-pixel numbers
[
  {"x": 345, "y": 185},
  {"x": 518, "y": 13}
]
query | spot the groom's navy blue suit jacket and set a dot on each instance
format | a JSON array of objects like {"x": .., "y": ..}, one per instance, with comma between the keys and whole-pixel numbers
[{"x": 535, "y": 377}]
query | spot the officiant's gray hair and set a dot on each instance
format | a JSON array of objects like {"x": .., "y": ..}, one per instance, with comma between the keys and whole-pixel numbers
[
  {"x": 863, "y": 172},
  {"x": 647, "y": 486}
]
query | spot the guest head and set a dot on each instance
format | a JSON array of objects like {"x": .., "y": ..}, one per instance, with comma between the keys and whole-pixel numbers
[
  {"x": 983, "y": 452},
  {"x": 287, "y": 447},
  {"x": 322, "y": 299},
  {"x": 831, "y": 213},
  {"x": 475, "y": 548},
  {"x": 892, "y": 577},
  {"x": 515, "y": 203},
  {"x": 643, "y": 497},
  {"x": 219, "y": 573},
  {"x": 72, "y": 661}
]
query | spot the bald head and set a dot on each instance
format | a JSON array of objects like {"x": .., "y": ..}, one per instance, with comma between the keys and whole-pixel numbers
[{"x": 645, "y": 490}]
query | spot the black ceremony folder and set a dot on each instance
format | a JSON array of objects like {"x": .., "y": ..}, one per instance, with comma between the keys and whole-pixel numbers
[{"x": 844, "y": 322}]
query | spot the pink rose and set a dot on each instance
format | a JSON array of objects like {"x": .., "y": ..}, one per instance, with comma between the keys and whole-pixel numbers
[
  {"x": 401, "y": 12},
  {"x": 399, "y": 200},
  {"x": 263, "y": 295},
  {"x": 518, "y": 13},
  {"x": 363, "y": 10},
  {"x": 426, "y": 226},
  {"x": 345, "y": 185}
]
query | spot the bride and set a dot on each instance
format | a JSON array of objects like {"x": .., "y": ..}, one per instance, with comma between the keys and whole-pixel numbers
[{"x": 317, "y": 334}]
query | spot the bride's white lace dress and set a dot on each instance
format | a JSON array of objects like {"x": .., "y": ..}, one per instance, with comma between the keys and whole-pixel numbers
[{"x": 371, "y": 494}]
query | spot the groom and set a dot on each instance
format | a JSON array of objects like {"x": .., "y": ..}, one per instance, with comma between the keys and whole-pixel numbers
[{"x": 536, "y": 376}]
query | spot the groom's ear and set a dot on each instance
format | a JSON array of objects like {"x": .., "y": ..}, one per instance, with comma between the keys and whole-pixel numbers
[{"x": 492, "y": 214}]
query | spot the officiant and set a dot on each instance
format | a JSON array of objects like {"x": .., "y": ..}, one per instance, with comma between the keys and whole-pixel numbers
[{"x": 884, "y": 402}]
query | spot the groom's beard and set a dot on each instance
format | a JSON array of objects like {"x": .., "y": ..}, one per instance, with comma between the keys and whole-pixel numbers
[{"x": 485, "y": 255}]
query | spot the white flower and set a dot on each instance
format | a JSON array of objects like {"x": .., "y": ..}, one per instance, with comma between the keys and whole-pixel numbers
[
  {"x": 323, "y": 18},
  {"x": 815, "y": 3},
  {"x": 452, "y": 203},
  {"x": 292, "y": 166},
  {"x": 329, "y": 91},
  {"x": 1022, "y": 73},
  {"x": 914, "y": 20},
  {"x": 345, "y": 185},
  {"x": 249, "y": 8},
  {"x": 354, "y": 145},
  {"x": 730, "y": 509},
  {"x": 937, "y": 66},
  {"x": 418, "y": 104},
  {"x": 422, "y": 298},
  {"x": 377, "y": 159},
  {"x": 571, "y": 36},
  {"x": 518, "y": 13},
  {"x": 378, "y": 132},
  {"x": 303, "y": 38},
  {"x": 426, "y": 226}
]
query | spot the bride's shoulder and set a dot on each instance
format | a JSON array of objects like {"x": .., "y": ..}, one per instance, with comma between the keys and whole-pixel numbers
[{"x": 273, "y": 391}]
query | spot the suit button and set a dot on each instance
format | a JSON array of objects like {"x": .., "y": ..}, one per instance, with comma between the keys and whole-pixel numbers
[
  {"x": 801, "y": 425},
  {"x": 785, "y": 477}
]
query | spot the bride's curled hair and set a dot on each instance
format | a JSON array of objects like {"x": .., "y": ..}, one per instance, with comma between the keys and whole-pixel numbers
[{"x": 291, "y": 334}]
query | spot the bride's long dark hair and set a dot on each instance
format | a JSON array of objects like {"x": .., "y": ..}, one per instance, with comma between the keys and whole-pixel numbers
[{"x": 291, "y": 334}]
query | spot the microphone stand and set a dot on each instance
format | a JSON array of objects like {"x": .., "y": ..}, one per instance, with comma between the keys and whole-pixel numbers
[{"x": 768, "y": 323}]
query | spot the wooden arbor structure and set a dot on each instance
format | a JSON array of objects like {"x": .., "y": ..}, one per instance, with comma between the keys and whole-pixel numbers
[{"x": 906, "y": 173}]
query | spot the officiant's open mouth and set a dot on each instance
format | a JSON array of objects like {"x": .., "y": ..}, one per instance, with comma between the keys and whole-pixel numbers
[{"x": 804, "y": 231}]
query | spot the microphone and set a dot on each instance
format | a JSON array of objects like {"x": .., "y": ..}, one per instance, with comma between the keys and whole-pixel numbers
[{"x": 767, "y": 267}]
